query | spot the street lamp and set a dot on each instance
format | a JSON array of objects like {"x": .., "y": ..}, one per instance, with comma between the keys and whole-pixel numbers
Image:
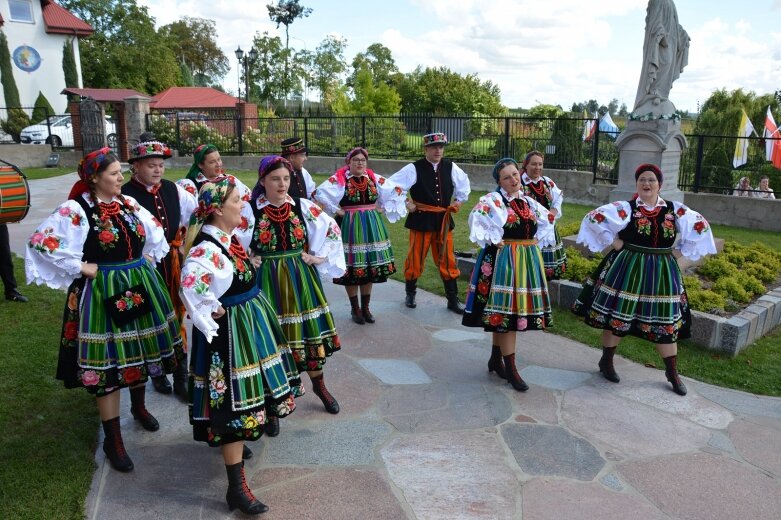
[{"x": 245, "y": 61}]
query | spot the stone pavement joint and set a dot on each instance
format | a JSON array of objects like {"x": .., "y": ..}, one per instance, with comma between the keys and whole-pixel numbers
[{"x": 459, "y": 443}]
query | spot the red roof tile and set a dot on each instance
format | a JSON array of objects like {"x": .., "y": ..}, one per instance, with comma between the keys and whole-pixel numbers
[
  {"x": 59, "y": 20},
  {"x": 193, "y": 97},
  {"x": 103, "y": 94}
]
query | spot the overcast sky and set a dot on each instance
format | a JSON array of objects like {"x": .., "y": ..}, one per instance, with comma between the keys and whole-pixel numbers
[{"x": 537, "y": 51}]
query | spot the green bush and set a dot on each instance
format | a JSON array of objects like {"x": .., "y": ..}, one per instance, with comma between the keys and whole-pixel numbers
[
  {"x": 705, "y": 300},
  {"x": 717, "y": 267},
  {"x": 42, "y": 108},
  {"x": 760, "y": 272},
  {"x": 566, "y": 230},
  {"x": 578, "y": 267},
  {"x": 731, "y": 288},
  {"x": 16, "y": 122}
]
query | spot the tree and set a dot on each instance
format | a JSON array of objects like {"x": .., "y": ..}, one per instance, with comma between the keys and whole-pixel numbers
[
  {"x": 17, "y": 118},
  {"x": 193, "y": 41},
  {"x": 69, "y": 65},
  {"x": 268, "y": 69},
  {"x": 285, "y": 12},
  {"x": 125, "y": 51},
  {"x": 327, "y": 66},
  {"x": 370, "y": 97},
  {"x": 720, "y": 116},
  {"x": 545, "y": 111},
  {"x": 444, "y": 92},
  {"x": 612, "y": 107},
  {"x": 378, "y": 59},
  {"x": 43, "y": 108},
  {"x": 187, "y": 75},
  {"x": 623, "y": 111}
]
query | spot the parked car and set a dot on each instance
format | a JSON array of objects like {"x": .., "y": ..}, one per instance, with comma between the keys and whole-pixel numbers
[{"x": 61, "y": 132}]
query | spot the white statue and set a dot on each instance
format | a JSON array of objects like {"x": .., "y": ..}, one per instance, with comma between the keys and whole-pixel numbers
[{"x": 665, "y": 54}]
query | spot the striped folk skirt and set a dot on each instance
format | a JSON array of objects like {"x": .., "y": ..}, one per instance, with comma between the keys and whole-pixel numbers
[
  {"x": 507, "y": 290},
  {"x": 242, "y": 377},
  {"x": 637, "y": 291},
  {"x": 102, "y": 356},
  {"x": 554, "y": 258},
  {"x": 367, "y": 248},
  {"x": 296, "y": 293}
]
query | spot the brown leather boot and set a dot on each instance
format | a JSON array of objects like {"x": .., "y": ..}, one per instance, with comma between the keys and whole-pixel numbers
[
  {"x": 495, "y": 362},
  {"x": 239, "y": 494},
  {"x": 139, "y": 411},
  {"x": 355, "y": 311},
  {"x": 114, "y": 448},
  {"x": 367, "y": 315},
  {"x": 512, "y": 375},
  {"x": 318, "y": 387}
]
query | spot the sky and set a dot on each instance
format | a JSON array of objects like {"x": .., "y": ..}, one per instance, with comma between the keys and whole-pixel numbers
[{"x": 537, "y": 51}]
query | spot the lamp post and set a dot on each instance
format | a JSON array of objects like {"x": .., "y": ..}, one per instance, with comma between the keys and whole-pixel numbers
[{"x": 245, "y": 61}]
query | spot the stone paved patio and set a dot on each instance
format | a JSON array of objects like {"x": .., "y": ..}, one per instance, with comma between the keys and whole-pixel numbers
[{"x": 425, "y": 432}]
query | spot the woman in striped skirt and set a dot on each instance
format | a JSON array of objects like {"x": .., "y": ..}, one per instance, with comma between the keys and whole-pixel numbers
[
  {"x": 119, "y": 326},
  {"x": 292, "y": 240},
  {"x": 638, "y": 288},
  {"x": 354, "y": 193},
  {"x": 508, "y": 292},
  {"x": 242, "y": 372},
  {"x": 544, "y": 190}
]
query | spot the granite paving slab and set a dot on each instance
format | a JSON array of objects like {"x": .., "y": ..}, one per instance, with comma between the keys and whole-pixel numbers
[
  {"x": 554, "y": 378},
  {"x": 552, "y": 450},
  {"x": 759, "y": 445},
  {"x": 396, "y": 371},
  {"x": 551, "y": 499},
  {"x": 740, "y": 402},
  {"x": 702, "y": 486},
  {"x": 453, "y": 475}
]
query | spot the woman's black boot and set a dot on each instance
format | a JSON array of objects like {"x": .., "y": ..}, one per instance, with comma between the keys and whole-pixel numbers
[{"x": 239, "y": 494}]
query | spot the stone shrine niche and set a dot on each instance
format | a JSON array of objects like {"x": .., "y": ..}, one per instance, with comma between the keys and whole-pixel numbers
[{"x": 93, "y": 125}]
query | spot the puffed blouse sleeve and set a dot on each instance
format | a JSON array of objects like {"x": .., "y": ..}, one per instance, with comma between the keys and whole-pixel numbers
[
  {"x": 188, "y": 186},
  {"x": 309, "y": 184},
  {"x": 187, "y": 204},
  {"x": 207, "y": 274},
  {"x": 325, "y": 239},
  {"x": 402, "y": 179},
  {"x": 696, "y": 237},
  {"x": 155, "y": 244},
  {"x": 461, "y": 186},
  {"x": 329, "y": 194},
  {"x": 487, "y": 219},
  {"x": 557, "y": 196},
  {"x": 601, "y": 226},
  {"x": 390, "y": 197},
  {"x": 54, "y": 251},
  {"x": 545, "y": 235},
  {"x": 243, "y": 231}
]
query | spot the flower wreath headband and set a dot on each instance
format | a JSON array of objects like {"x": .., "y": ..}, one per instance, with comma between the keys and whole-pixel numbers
[{"x": 210, "y": 199}]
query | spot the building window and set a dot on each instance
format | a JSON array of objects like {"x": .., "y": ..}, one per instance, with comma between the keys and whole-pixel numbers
[{"x": 21, "y": 10}]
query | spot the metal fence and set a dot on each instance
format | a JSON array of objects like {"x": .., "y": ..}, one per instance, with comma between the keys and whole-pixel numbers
[{"x": 22, "y": 125}]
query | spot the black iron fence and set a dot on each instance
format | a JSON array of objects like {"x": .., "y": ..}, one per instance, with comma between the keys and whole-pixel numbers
[{"x": 30, "y": 125}]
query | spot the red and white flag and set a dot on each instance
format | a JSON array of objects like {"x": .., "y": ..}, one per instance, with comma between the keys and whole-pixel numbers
[{"x": 772, "y": 137}]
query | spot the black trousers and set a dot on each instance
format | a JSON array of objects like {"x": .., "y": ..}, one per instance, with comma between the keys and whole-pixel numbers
[{"x": 6, "y": 261}]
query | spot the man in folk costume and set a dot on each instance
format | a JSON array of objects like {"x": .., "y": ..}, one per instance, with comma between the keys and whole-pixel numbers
[
  {"x": 172, "y": 205},
  {"x": 301, "y": 183},
  {"x": 437, "y": 188}
]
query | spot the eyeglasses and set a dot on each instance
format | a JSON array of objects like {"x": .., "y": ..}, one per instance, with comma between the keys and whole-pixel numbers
[{"x": 356, "y": 160}]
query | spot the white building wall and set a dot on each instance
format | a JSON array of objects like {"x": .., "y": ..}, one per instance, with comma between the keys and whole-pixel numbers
[{"x": 49, "y": 77}]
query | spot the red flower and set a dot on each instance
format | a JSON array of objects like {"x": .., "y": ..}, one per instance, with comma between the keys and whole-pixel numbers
[
  {"x": 599, "y": 217},
  {"x": 668, "y": 224},
  {"x": 265, "y": 237},
  {"x": 132, "y": 375},
  {"x": 551, "y": 218},
  {"x": 495, "y": 320},
  {"x": 512, "y": 218},
  {"x": 106, "y": 236},
  {"x": 198, "y": 251},
  {"x": 51, "y": 243},
  {"x": 622, "y": 213},
  {"x": 140, "y": 230},
  {"x": 643, "y": 222},
  {"x": 137, "y": 299},
  {"x": 699, "y": 227},
  {"x": 206, "y": 278},
  {"x": 71, "y": 330},
  {"x": 548, "y": 272},
  {"x": 681, "y": 211},
  {"x": 298, "y": 233},
  {"x": 244, "y": 223},
  {"x": 121, "y": 305},
  {"x": 76, "y": 220},
  {"x": 240, "y": 265},
  {"x": 315, "y": 211},
  {"x": 482, "y": 288}
]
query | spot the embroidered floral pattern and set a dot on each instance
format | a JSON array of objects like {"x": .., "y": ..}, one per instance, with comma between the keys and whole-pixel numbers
[
  {"x": 216, "y": 381},
  {"x": 483, "y": 285},
  {"x": 45, "y": 241},
  {"x": 128, "y": 301},
  {"x": 595, "y": 217}
]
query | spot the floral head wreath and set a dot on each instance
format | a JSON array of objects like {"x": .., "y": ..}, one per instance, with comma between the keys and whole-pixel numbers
[
  {"x": 210, "y": 199},
  {"x": 88, "y": 167},
  {"x": 267, "y": 165},
  {"x": 501, "y": 163}
]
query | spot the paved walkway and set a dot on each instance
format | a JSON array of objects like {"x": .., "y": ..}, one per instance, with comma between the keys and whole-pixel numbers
[{"x": 426, "y": 433}]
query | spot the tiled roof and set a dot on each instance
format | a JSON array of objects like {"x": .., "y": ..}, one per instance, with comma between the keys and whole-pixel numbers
[
  {"x": 193, "y": 97},
  {"x": 103, "y": 94},
  {"x": 59, "y": 20}
]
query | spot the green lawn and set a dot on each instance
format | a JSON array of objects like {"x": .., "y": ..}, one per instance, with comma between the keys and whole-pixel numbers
[{"x": 45, "y": 173}]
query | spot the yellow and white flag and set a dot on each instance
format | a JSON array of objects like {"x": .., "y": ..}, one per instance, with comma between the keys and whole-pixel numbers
[{"x": 741, "y": 145}]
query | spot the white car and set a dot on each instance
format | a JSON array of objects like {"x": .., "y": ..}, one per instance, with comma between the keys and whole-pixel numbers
[{"x": 61, "y": 132}]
